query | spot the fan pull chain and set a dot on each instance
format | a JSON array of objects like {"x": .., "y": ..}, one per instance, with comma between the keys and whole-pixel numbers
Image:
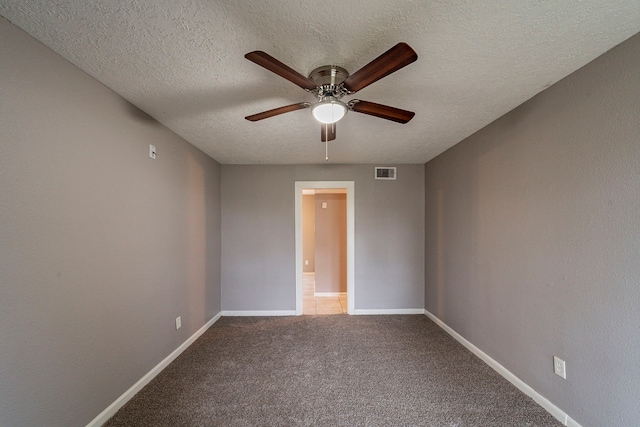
[{"x": 326, "y": 151}]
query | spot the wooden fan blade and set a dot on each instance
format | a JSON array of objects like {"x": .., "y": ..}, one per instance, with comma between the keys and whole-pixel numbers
[
  {"x": 272, "y": 64},
  {"x": 392, "y": 60},
  {"x": 276, "y": 111},
  {"x": 327, "y": 132},
  {"x": 382, "y": 111}
]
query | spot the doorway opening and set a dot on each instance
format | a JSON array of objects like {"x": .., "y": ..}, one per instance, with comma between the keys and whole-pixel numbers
[
  {"x": 324, "y": 251},
  {"x": 336, "y": 191}
]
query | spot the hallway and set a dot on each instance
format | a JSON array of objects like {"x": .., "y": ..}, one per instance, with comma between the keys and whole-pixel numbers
[{"x": 322, "y": 305}]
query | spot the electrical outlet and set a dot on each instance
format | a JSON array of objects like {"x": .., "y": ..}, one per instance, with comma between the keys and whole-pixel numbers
[
  {"x": 559, "y": 367},
  {"x": 178, "y": 322},
  {"x": 306, "y": 262},
  {"x": 152, "y": 151}
]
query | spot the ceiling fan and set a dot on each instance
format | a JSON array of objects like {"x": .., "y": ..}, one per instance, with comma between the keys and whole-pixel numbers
[{"x": 330, "y": 83}]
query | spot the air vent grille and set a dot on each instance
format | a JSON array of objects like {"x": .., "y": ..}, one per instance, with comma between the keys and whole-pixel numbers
[{"x": 385, "y": 172}]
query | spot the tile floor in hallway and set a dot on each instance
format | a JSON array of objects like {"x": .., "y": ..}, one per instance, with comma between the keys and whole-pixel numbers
[{"x": 312, "y": 305}]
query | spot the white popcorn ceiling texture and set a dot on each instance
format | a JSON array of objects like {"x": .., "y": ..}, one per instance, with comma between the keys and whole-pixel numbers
[{"x": 182, "y": 62}]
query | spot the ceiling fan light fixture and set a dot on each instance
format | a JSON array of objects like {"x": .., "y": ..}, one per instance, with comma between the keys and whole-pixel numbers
[{"x": 329, "y": 110}]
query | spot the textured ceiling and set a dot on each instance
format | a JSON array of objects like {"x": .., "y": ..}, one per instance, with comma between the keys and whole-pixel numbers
[{"x": 182, "y": 62}]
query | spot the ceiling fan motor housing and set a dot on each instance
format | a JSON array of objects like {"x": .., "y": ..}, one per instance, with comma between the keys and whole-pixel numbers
[
  {"x": 328, "y": 75},
  {"x": 328, "y": 79}
]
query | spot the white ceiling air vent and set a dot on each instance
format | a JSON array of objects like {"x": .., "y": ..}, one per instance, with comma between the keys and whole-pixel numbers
[{"x": 385, "y": 172}]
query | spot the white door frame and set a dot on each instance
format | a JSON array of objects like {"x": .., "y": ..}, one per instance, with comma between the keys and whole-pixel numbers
[{"x": 350, "y": 186}]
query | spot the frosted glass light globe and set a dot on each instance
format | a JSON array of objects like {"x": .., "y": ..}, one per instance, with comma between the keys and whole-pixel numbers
[{"x": 329, "y": 111}]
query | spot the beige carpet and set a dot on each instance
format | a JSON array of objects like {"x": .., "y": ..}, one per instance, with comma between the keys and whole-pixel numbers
[{"x": 329, "y": 371}]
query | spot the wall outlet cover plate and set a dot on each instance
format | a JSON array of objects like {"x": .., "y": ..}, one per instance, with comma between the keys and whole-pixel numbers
[{"x": 559, "y": 367}]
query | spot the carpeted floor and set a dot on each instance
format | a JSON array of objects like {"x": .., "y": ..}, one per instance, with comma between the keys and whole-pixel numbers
[{"x": 329, "y": 371}]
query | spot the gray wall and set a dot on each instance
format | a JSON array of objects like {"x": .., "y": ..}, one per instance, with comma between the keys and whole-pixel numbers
[
  {"x": 258, "y": 235},
  {"x": 101, "y": 248},
  {"x": 533, "y": 239}
]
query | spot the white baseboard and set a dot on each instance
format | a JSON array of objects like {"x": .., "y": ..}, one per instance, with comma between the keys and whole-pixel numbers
[
  {"x": 558, "y": 413},
  {"x": 377, "y": 311},
  {"x": 572, "y": 423},
  {"x": 231, "y": 313},
  {"x": 329, "y": 294},
  {"x": 127, "y": 395}
]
